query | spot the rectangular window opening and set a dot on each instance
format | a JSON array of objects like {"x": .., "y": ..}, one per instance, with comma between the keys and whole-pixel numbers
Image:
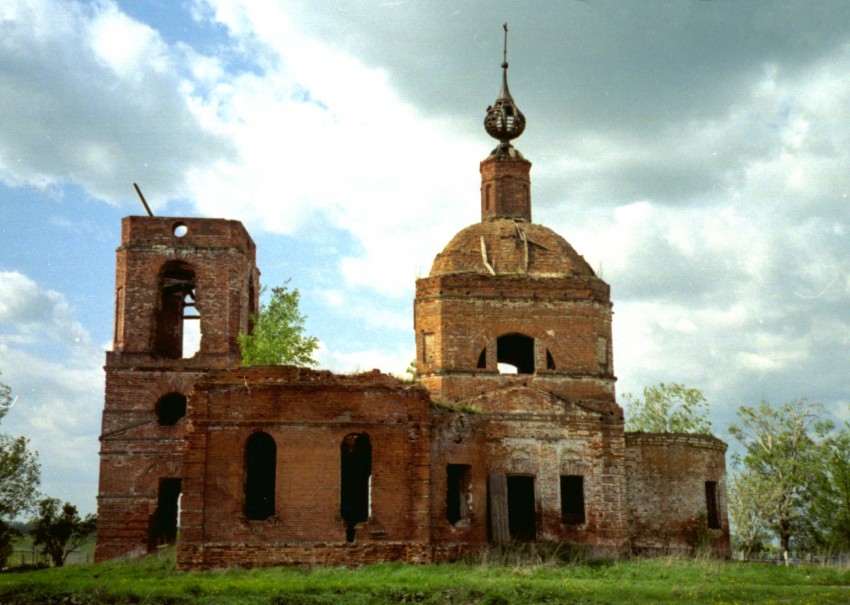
[
  {"x": 165, "y": 520},
  {"x": 572, "y": 499},
  {"x": 458, "y": 492},
  {"x": 712, "y": 514},
  {"x": 522, "y": 508}
]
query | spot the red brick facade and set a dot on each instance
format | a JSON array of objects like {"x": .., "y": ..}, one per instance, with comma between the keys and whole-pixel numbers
[
  {"x": 281, "y": 465},
  {"x": 669, "y": 477},
  {"x": 162, "y": 276},
  {"x": 309, "y": 415}
]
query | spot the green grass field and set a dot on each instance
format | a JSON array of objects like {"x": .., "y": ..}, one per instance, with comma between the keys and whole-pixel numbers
[
  {"x": 661, "y": 580},
  {"x": 24, "y": 553}
]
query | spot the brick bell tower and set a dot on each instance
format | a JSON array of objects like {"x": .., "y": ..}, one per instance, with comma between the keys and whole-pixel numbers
[
  {"x": 509, "y": 302},
  {"x": 185, "y": 288}
]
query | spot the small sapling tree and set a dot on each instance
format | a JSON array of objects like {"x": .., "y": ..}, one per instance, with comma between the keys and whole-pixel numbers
[{"x": 277, "y": 337}]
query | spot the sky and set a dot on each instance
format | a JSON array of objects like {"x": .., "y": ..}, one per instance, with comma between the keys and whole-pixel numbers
[{"x": 695, "y": 152}]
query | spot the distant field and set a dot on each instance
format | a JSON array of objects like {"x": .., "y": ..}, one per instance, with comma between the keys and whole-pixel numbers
[
  {"x": 25, "y": 553},
  {"x": 663, "y": 580}
]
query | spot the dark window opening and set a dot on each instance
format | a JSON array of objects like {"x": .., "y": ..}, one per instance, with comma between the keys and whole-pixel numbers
[
  {"x": 482, "y": 359},
  {"x": 550, "y": 361},
  {"x": 163, "y": 528},
  {"x": 175, "y": 338},
  {"x": 355, "y": 482},
  {"x": 260, "y": 470},
  {"x": 170, "y": 408},
  {"x": 516, "y": 350},
  {"x": 572, "y": 499},
  {"x": 712, "y": 514},
  {"x": 522, "y": 512},
  {"x": 458, "y": 487}
]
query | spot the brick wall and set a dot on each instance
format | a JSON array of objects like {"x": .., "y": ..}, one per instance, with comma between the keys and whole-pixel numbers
[
  {"x": 137, "y": 449},
  {"x": 666, "y": 490},
  {"x": 505, "y": 188},
  {"x": 463, "y": 315},
  {"x": 308, "y": 414},
  {"x": 458, "y": 438},
  {"x": 536, "y": 433}
]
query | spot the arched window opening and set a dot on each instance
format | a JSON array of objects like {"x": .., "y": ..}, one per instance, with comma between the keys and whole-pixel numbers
[
  {"x": 482, "y": 359},
  {"x": 170, "y": 408},
  {"x": 355, "y": 482},
  {"x": 164, "y": 521},
  {"x": 260, "y": 469},
  {"x": 550, "y": 361},
  {"x": 174, "y": 338},
  {"x": 515, "y": 350}
]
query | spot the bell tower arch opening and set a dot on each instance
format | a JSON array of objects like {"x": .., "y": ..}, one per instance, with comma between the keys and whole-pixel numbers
[
  {"x": 515, "y": 351},
  {"x": 175, "y": 337}
]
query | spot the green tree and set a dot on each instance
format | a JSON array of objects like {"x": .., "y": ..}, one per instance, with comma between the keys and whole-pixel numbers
[
  {"x": 60, "y": 532},
  {"x": 277, "y": 337},
  {"x": 752, "y": 505},
  {"x": 8, "y": 534},
  {"x": 668, "y": 408},
  {"x": 19, "y": 478},
  {"x": 780, "y": 451},
  {"x": 826, "y": 522}
]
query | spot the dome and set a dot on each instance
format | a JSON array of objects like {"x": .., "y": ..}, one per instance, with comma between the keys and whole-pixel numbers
[{"x": 508, "y": 247}]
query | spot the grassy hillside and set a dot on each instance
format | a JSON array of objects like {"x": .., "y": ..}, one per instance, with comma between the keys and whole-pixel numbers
[{"x": 664, "y": 580}]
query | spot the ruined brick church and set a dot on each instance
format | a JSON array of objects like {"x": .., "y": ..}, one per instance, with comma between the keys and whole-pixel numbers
[{"x": 285, "y": 465}]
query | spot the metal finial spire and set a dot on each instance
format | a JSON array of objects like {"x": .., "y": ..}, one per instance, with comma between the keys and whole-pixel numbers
[
  {"x": 505, "y": 53},
  {"x": 504, "y": 121}
]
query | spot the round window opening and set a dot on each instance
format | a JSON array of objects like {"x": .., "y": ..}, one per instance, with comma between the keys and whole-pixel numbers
[
  {"x": 180, "y": 230},
  {"x": 170, "y": 408}
]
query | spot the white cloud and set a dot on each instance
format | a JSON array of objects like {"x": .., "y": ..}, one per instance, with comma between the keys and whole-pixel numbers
[
  {"x": 31, "y": 311},
  {"x": 95, "y": 98},
  {"x": 58, "y": 385},
  {"x": 126, "y": 46},
  {"x": 325, "y": 139}
]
